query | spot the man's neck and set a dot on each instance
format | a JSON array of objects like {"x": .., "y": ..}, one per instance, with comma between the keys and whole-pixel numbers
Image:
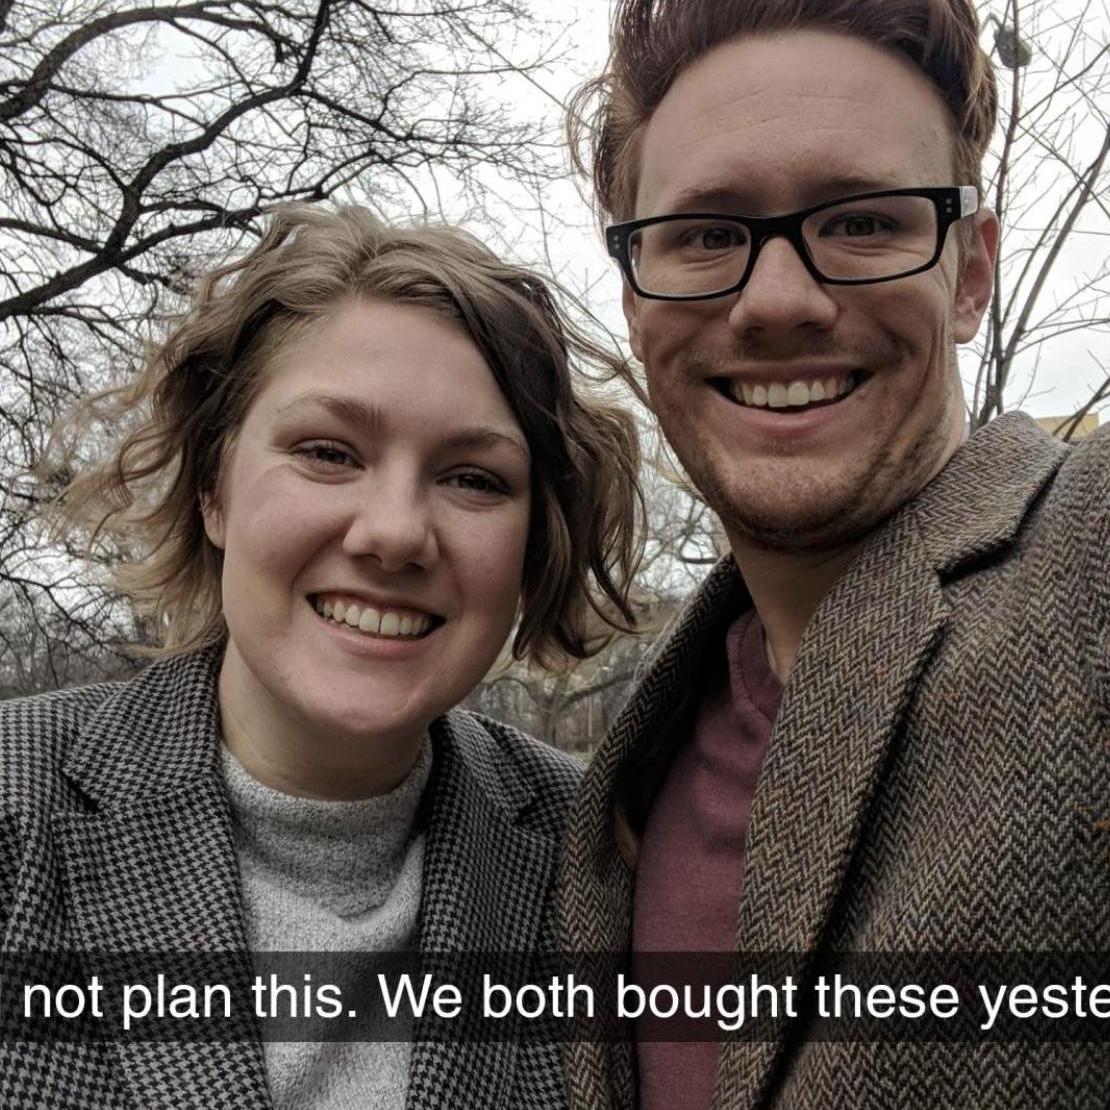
[{"x": 786, "y": 589}]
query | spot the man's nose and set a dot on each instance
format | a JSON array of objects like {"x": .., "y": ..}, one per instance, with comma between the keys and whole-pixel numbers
[
  {"x": 392, "y": 525},
  {"x": 781, "y": 294}
]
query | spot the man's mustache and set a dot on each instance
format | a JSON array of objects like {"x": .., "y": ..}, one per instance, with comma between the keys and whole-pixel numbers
[{"x": 867, "y": 354}]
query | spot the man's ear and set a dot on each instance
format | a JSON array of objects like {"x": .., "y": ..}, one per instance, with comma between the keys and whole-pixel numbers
[
  {"x": 631, "y": 305},
  {"x": 976, "y": 277},
  {"x": 212, "y": 512}
]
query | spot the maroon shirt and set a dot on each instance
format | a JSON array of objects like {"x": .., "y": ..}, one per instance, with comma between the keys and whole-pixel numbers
[{"x": 690, "y": 867}]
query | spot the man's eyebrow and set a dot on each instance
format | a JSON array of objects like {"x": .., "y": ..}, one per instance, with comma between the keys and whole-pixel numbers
[
  {"x": 705, "y": 197},
  {"x": 730, "y": 199},
  {"x": 845, "y": 184},
  {"x": 374, "y": 420}
]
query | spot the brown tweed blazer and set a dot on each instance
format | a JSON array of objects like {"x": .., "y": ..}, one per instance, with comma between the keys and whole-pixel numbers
[
  {"x": 938, "y": 779},
  {"x": 115, "y": 836}
]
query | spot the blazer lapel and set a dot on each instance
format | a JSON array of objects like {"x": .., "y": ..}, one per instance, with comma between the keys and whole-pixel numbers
[
  {"x": 486, "y": 892},
  {"x": 595, "y": 878},
  {"x": 857, "y": 669},
  {"x": 150, "y": 868}
]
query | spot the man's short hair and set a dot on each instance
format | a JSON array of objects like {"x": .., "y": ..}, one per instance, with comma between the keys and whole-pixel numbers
[{"x": 654, "y": 40}]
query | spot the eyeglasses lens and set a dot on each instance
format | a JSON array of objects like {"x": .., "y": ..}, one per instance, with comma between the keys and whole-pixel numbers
[{"x": 871, "y": 239}]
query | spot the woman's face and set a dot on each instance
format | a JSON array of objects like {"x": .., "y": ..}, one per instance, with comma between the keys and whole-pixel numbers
[{"x": 380, "y": 478}]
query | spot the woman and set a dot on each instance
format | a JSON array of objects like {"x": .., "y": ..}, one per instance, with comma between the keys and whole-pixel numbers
[{"x": 358, "y": 466}]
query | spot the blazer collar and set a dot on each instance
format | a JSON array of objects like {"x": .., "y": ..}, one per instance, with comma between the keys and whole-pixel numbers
[
  {"x": 153, "y": 737},
  {"x": 487, "y": 881},
  {"x": 977, "y": 503},
  {"x": 973, "y": 507},
  {"x": 481, "y": 856},
  {"x": 858, "y": 665},
  {"x": 595, "y": 881},
  {"x": 159, "y": 735}
]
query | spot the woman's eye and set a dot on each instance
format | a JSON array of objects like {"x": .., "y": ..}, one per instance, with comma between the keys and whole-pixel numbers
[
  {"x": 328, "y": 456},
  {"x": 478, "y": 482}
]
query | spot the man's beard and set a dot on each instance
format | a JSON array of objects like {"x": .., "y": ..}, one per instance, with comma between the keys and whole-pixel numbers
[
  {"x": 819, "y": 525},
  {"x": 861, "y": 499}
]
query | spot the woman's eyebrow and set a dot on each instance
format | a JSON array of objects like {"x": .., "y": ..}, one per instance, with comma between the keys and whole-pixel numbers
[
  {"x": 374, "y": 420},
  {"x": 486, "y": 437},
  {"x": 348, "y": 409}
]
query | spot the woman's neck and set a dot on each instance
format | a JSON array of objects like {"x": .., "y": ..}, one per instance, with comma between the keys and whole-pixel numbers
[{"x": 287, "y": 754}]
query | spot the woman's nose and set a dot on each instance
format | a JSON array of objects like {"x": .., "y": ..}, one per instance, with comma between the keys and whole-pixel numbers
[{"x": 391, "y": 523}]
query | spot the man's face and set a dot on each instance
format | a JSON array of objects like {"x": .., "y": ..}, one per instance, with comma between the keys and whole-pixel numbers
[{"x": 772, "y": 124}]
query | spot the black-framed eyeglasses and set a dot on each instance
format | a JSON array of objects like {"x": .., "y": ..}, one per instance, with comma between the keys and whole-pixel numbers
[{"x": 855, "y": 240}]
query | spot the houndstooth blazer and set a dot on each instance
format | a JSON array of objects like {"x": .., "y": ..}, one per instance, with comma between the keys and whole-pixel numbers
[
  {"x": 938, "y": 779},
  {"x": 115, "y": 837}
]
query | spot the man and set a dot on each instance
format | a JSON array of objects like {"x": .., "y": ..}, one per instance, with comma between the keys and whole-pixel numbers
[{"x": 883, "y": 723}]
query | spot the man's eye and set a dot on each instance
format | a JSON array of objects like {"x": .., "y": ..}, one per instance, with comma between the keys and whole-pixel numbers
[
  {"x": 856, "y": 225},
  {"x": 721, "y": 238},
  {"x": 324, "y": 456}
]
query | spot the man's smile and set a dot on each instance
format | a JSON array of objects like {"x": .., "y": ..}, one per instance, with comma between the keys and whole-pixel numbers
[{"x": 797, "y": 394}]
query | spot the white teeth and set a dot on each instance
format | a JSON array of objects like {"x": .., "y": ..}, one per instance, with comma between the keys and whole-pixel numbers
[
  {"x": 777, "y": 396},
  {"x": 795, "y": 394},
  {"x": 373, "y": 621}
]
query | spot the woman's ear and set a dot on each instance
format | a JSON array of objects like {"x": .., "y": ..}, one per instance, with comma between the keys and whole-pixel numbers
[{"x": 212, "y": 512}]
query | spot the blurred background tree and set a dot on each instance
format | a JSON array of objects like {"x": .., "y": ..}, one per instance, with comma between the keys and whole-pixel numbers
[
  {"x": 140, "y": 144},
  {"x": 1049, "y": 181}
]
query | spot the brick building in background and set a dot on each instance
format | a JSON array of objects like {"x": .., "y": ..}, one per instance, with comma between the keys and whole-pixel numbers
[{"x": 1058, "y": 425}]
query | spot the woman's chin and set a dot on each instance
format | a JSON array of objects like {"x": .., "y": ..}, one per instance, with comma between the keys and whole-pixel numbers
[{"x": 363, "y": 722}]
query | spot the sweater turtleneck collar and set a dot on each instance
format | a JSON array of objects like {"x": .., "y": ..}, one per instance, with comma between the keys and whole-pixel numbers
[{"x": 346, "y": 855}]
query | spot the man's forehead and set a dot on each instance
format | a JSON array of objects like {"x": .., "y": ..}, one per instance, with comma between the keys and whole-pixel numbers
[{"x": 771, "y": 123}]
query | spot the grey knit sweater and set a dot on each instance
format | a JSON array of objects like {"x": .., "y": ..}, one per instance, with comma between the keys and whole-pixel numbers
[{"x": 324, "y": 876}]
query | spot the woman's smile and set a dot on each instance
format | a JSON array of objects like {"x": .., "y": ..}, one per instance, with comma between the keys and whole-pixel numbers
[{"x": 381, "y": 621}]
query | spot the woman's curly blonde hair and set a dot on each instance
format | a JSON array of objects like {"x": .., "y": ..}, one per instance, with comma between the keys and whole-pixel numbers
[{"x": 186, "y": 405}]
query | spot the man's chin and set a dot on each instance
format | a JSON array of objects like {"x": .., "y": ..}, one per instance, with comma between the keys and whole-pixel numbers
[{"x": 802, "y": 527}]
